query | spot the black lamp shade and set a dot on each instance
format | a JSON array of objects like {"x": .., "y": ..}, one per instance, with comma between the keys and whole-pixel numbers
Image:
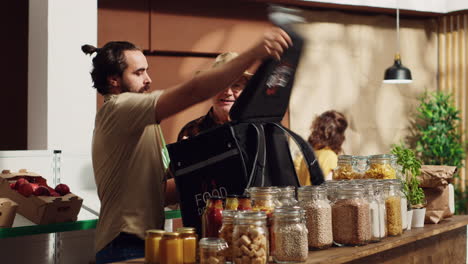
[{"x": 397, "y": 73}]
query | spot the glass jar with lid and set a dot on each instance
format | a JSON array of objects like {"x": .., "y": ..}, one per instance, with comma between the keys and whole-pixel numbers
[
  {"x": 244, "y": 203},
  {"x": 212, "y": 217},
  {"x": 227, "y": 230},
  {"x": 250, "y": 238},
  {"x": 287, "y": 196},
  {"x": 189, "y": 244},
  {"x": 152, "y": 239},
  {"x": 350, "y": 216},
  {"x": 381, "y": 167},
  {"x": 376, "y": 215},
  {"x": 289, "y": 235},
  {"x": 379, "y": 193},
  {"x": 264, "y": 199},
  {"x": 360, "y": 166},
  {"x": 212, "y": 250},
  {"x": 232, "y": 202},
  {"x": 171, "y": 248},
  {"x": 344, "y": 170},
  {"x": 318, "y": 215},
  {"x": 393, "y": 207},
  {"x": 404, "y": 202}
]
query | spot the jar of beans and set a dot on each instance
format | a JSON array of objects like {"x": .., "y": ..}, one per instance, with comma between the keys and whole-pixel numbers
[
  {"x": 212, "y": 250},
  {"x": 318, "y": 216},
  {"x": 289, "y": 235},
  {"x": 250, "y": 238},
  {"x": 351, "y": 217}
]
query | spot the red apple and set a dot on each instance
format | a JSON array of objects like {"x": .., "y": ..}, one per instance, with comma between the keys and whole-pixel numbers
[
  {"x": 41, "y": 191},
  {"x": 54, "y": 193},
  {"x": 19, "y": 182},
  {"x": 12, "y": 185},
  {"x": 25, "y": 189},
  {"x": 34, "y": 186},
  {"x": 62, "y": 189}
]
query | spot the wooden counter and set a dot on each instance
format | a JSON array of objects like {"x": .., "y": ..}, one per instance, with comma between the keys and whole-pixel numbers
[{"x": 445, "y": 242}]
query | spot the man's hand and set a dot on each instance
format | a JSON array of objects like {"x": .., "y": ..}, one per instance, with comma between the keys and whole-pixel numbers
[{"x": 274, "y": 42}]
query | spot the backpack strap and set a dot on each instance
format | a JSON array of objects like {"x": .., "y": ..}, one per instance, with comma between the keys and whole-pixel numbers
[{"x": 316, "y": 174}]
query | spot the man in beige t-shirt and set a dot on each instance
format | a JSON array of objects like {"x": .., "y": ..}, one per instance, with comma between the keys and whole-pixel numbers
[{"x": 127, "y": 145}]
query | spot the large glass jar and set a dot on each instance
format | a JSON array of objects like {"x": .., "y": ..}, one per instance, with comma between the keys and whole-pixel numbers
[
  {"x": 377, "y": 216},
  {"x": 227, "y": 230},
  {"x": 350, "y": 216},
  {"x": 152, "y": 239},
  {"x": 171, "y": 248},
  {"x": 344, "y": 170},
  {"x": 393, "y": 207},
  {"x": 212, "y": 250},
  {"x": 289, "y": 235},
  {"x": 287, "y": 196},
  {"x": 404, "y": 202},
  {"x": 360, "y": 166},
  {"x": 381, "y": 167},
  {"x": 189, "y": 244},
  {"x": 212, "y": 217},
  {"x": 318, "y": 216},
  {"x": 250, "y": 238}
]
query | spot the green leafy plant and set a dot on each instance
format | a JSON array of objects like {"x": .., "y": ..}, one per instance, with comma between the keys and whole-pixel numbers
[
  {"x": 439, "y": 138},
  {"x": 411, "y": 169}
]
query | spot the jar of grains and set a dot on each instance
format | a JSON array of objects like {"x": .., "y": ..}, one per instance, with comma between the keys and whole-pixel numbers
[
  {"x": 332, "y": 187},
  {"x": 404, "y": 202},
  {"x": 250, "y": 238},
  {"x": 226, "y": 231},
  {"x": 393, "y": 207},
  {"x": 289, "y": 235},
  {"x": 360, "y": 166},
  {"x": 318, "y": 216},
  {"x": 287, "y": 196},
  {"x": 381, "y": 167},
  {"x": 344, "y": 170},
  {"x": 212, "y": 250},
  {"x": 350, "y": 216}
]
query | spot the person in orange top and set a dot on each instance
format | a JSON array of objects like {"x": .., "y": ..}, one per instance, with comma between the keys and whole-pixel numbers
[{"x": 326, "y": 138}]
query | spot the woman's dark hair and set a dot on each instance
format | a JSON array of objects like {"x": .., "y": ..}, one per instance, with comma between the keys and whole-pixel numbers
[
  {"x": 328, "y": 130},
  {"x": 109, "y": 61}
]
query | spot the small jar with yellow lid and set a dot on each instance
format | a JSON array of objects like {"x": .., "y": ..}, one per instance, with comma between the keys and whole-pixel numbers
[
  {"x": 152, "y": 242},
  {"x": 171, "y": 248},
  {"x": 189, "y": 244}
]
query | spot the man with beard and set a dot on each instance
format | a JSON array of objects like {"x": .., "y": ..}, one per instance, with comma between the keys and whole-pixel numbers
[
  {"x": 127, "y": 145},
  {"x": 221, "y": 102}
]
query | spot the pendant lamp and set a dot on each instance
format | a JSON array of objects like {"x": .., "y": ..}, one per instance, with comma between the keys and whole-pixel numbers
[{"x": 397, "y": 73}]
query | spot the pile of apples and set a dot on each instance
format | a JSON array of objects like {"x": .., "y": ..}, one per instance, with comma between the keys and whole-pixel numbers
[{"x": 27, "y": 188}]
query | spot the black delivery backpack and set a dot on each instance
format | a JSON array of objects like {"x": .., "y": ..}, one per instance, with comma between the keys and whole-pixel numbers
[{"x": 251, "y": 150}]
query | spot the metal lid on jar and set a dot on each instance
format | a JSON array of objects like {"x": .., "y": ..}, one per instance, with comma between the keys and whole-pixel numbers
[
  {"x": 232, "y": 196},
  {"x": 182, "y": 229},
  {"x": 263, "y": 190},
  {"x": 213, "y": 243},
  {"x": 171, "y": 234},
  {"x": 215, "y": 197},
  {"x": 228, "y": 215},
  {"x": 155, "y": 232},
  {"x": 250, "y": 216},
  {"x": 289, "y": 211}
]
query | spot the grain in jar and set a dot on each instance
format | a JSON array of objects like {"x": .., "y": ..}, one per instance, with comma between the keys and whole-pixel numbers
[
  {"x": 350, "y": 217},
  {"x": 171, "y": 248},
  {"x": 152, "y": 239},
  {"x": 393, "y": 207},
  {"x": 318, "y": 216},
  {"x": 250, "y": 238},
  {"x": 289, "y": 235},
  {"x": 381, "y": 167},
  {"x": 212, "y": 250}
]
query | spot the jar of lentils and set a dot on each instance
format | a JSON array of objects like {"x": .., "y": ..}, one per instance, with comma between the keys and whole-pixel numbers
[
  {"x": 289, "y": 235},
  {"x": 318, "y": 216}
]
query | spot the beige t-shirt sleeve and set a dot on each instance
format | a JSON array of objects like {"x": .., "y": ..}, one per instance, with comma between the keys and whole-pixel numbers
[{"x": 133, "y": 112}]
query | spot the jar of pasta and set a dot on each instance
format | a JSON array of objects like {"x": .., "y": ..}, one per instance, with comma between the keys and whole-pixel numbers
[
  {"x": 393, "y": 207},
  {"x": 381, "y": 167},
  {"x": 226, "y": 231},
  {"x": 289, "y": 235},
  {"x": 152, "y": 239},
  {"x": 212, "y": 250},
  {"x": 360, "y": 166},
  {"x": 344, "y": 170},
  {"x": 250, "y": 238}
]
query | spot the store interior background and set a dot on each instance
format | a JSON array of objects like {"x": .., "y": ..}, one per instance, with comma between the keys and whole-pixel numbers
[{"x": 50, "y": 103}]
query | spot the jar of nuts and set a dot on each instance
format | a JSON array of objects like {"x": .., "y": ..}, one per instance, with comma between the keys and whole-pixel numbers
[
  {"x": 212, "y": 250},
  {"x": 289, "y": 235},
  {"x": 344, "y": 170},
  {"x": 318, "y": 216},
  {"x": 381, "y": 167},
  {"x": 226, "y": 231},
  {"x": 250, "y": 238}
]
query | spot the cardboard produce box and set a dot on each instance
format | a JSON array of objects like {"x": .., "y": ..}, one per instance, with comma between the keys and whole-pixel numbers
[
  {"x": 40, "y": 209},
  {"x": 7, "y": 212}
]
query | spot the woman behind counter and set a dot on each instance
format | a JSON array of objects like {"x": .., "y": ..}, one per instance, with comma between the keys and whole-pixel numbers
[{"x": 326, "y": 138}]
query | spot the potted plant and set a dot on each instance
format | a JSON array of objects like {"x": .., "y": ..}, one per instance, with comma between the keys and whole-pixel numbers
[
  {"x": 411, "y": 169},
  {"x": 438, "y": 138}
]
